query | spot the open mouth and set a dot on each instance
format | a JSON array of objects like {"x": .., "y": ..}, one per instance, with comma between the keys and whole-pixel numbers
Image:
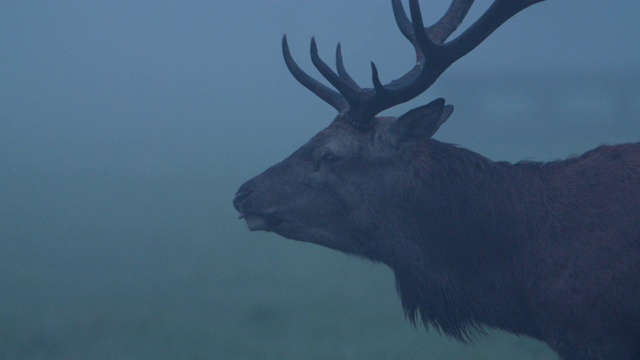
[{"x": 266, "y": 222}]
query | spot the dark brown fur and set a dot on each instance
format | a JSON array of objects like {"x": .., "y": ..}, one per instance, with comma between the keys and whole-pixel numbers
[{"x": 547, "y": 250}]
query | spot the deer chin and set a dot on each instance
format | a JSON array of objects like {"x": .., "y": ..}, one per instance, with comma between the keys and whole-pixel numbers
[{"x": 264, "y": 222}]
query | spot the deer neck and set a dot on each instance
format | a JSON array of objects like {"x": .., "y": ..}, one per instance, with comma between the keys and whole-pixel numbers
[{"x": 475, "y": 217}]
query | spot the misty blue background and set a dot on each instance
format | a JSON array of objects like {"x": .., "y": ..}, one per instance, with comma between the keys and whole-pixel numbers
[{"x": 127, "y": 126}]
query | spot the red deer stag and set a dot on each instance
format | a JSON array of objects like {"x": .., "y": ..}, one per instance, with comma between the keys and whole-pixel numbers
[{"x": 548, "y": 250}]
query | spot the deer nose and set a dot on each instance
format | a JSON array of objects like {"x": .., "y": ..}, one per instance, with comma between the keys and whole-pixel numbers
[{"x": 240, "y": 196}]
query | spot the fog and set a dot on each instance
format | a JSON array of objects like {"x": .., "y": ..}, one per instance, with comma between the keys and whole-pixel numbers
[{"x": 127, "y": 126}]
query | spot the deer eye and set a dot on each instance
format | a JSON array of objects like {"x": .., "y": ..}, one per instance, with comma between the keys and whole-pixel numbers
[
  {"x": 327, "y": 159},
  {"x": 330, "y": 158}
]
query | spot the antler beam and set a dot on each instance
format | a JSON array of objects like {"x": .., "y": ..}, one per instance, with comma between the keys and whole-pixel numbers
[{"x": 433, "y": 56}]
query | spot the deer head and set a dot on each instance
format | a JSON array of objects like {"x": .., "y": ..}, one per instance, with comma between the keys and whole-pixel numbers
[{"x": 362, "y": 185}]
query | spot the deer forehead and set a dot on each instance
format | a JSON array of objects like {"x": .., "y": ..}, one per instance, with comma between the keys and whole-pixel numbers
[{"x": 339, "y": 143}]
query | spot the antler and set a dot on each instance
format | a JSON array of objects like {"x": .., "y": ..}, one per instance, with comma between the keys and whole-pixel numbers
[{"x": 433, "y": 56}]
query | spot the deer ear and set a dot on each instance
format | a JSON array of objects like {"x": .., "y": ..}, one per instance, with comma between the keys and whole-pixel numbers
[{"x": 421, "y": 122}]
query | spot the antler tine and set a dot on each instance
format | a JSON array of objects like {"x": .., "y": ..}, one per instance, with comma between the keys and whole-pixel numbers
[
  {"x": 499, "y": 12},
  {"x": 439, "y": 31},
  {"x": 351, "y": 94},
  {"x": 424, "y": 42},
  {"x": 376, "y": 80},
  {"x": 342, "y": 71},
  {"x": 403, "y": 22},
  {"x": 457, "y": 11},
  {"x": 330, "y": 96}
]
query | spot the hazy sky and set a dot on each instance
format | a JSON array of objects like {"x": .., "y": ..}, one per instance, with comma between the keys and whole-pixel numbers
[{"x": 216, "y": 66}]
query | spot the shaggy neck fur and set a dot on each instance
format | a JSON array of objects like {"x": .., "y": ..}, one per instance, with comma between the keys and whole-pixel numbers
[{"x": 472, "y": 215}]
